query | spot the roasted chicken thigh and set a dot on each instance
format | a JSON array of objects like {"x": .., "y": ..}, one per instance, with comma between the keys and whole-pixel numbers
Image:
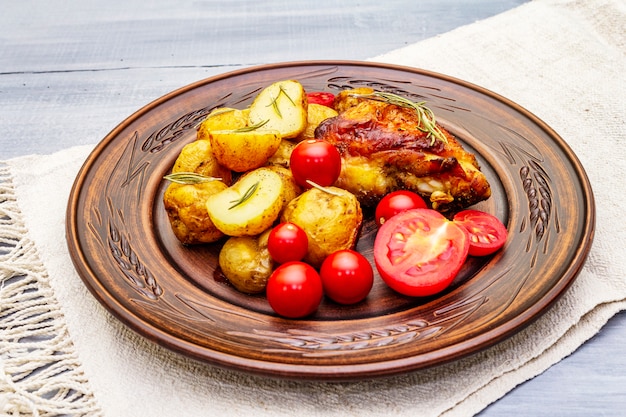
[{"x": 388, "y": 145}]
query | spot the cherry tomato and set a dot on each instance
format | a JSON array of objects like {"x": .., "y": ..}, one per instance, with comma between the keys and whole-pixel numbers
[
  {"x": 315, "y": 160},
  {"x": 287, "y": 242},
  {"x": 294, "y": 290},
  {"x": 419, "y": 252},
  {"x": 321, "y": 97},
  {"x": 397, "y": 202},
  {"x": 487, "y": 234},
  {"x": 347, "y": 276}
]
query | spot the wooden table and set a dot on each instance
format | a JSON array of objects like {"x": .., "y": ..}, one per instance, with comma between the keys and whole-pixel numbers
[{"x": 71, "y": 70}]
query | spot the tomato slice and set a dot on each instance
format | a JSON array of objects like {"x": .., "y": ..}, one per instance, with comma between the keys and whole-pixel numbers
[
  {"x": 321, "y": 97},
  {"x": 419, "y": 252},
  {"x": 487, "y": 234}
]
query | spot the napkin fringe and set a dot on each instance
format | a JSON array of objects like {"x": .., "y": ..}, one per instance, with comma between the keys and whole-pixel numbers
[{"x": 40, "y": 373}]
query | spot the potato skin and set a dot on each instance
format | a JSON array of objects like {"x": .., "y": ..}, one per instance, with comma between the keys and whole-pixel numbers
[
  {"x": 331, "y": 222},
  {"x": 246, "y": 262},
  {"x": 198, "y": 157},
  {"x": 243, "y": 151},
  {"x": 291, "y": 189},
  {"x": 316, "y": 113},
  {"x": 185, "y": 205},
  {"x": 223, "y": 118}
]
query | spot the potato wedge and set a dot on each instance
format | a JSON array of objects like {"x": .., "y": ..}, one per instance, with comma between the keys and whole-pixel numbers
[
  {"x": 249, "y": 206},
  {"x": 246, "y": 262},
  {"x": 244, "y": 150},
  {"x": 316, "y": 113},
  {"x": 223, "y": 118},
  {"x": 197, "y": 157},
  {"x": 291, "y": 189},
  {"x": 331, "y": 221},
  {"x": 281, "y": 106},
  {"x": 185, "y": 205}
]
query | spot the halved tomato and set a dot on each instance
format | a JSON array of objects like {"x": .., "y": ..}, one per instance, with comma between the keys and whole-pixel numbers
[
  {"x": 486, "y": 232},
  {"x": 419, "y": 252}
]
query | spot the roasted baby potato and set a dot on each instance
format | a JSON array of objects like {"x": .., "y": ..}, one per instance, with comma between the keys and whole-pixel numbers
[
  {"x": 332, "y": 221},
  {"x": 250, "y": 205},
  {"x": 185, "y": 205},
  {"x": 316, "y": 113},
  {"x": 244, "y": 150},
  {"x": 291, "y": 189},
  {"x": 283, "y": 154},
  {"x": 281, "y": 106},
  {"x": 197, "y": 157},
  {"x": 246, "y": 262},
  {"x": 223, "y": 118}
]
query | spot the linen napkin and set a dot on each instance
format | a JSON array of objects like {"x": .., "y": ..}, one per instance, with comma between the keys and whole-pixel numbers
[{"x": 562, "y": 60}]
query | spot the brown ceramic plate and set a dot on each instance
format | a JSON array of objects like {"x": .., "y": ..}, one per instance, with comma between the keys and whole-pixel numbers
[{"x": 122, "y": 246}]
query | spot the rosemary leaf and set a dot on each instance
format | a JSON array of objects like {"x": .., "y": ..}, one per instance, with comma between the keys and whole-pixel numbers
[
  {"x": 426, "y": 117},
  {"x": 282, "y": 90},
  {"x": 252, "y": 127},
  {"x": 189, "y": 178},
  {"x": 249, "y": 193},
  {"x": 274, "y": 104},
  {"x": 322, "y": 188}
]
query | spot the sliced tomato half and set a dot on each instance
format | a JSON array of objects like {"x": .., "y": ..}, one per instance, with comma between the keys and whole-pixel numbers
[
  {"x": 486, "y": 232},
  {"x": 419, "y": 252}
]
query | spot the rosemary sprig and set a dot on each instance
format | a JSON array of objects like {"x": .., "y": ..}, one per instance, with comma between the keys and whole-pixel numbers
[
  {"x": 322, "y": 188},
  {"x": 189, "y": 178},
  {"x": 426, "y": 117},
  {"x": 274, "y": 102},
  {"x": 249, "y": 193},
  {"x": 252, "y": 127}
]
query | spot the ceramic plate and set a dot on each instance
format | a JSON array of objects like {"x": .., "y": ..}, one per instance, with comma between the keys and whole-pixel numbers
[{"x": 122, "y": 246}]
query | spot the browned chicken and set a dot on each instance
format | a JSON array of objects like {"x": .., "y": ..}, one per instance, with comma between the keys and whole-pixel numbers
[{"x": 388, "y": 143}]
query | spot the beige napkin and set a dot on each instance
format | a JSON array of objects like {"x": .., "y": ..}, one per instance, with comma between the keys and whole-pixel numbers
[{"x": 563, "y": 60}]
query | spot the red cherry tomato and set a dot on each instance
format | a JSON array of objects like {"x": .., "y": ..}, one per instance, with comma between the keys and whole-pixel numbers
[
  {"x": 287, "y": 242},
  {"x": 294, "y": 290},
  {"x": 347, "y": 276},
  {"x": 419, "y": 252},
  {"x": 315, "y": 160},
  {"x": 321, "y": 97},
  {"x": 397, "y": 202},
  {"x": 487, "y": 234}
]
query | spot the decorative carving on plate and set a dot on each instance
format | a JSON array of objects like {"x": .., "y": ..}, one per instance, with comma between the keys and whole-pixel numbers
[{"x": 542, "y": 215}]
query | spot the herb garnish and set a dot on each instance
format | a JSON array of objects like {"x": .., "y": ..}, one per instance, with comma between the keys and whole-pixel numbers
[
  {"x": 274, "y": 102},
  {"x": 189, "y": 178},
  {"x": 426, "y": 117},
  {"x": 322, "y": 188},
  {"x": 252, "y": 127},
  {"x": 249, "y": 193}
]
